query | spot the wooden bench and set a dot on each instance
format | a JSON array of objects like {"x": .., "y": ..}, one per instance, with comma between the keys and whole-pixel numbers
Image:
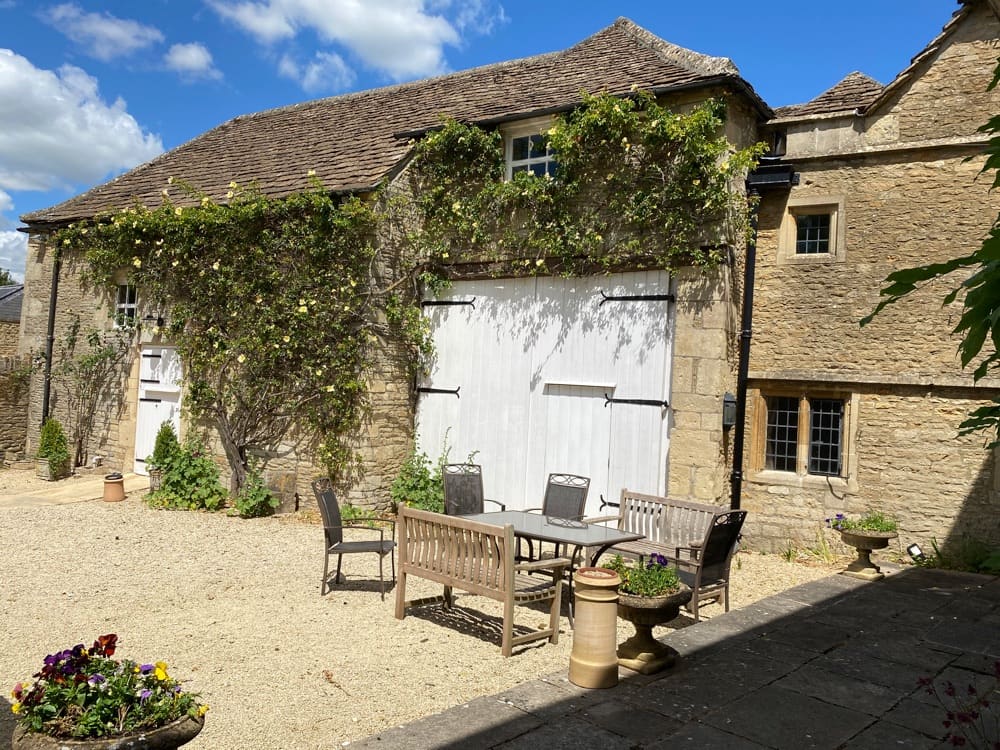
[
  {"x": 666, "y": 524},
  {"x": 477, "y": 558}
]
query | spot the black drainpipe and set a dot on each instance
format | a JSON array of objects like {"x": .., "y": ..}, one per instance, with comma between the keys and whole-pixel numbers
[
  {"x": 771, "y": 174},
  {"x": 743, "y": 367},
  {"x": 50, "y": 334}
]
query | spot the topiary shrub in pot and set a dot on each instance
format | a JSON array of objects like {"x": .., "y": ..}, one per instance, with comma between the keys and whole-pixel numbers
[{"x": 53, "y": 451}]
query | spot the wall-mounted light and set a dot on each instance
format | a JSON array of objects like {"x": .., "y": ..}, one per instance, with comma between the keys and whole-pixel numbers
[
  {"x": 728, "y": 411},
  {"x": 150, "y": 319}
]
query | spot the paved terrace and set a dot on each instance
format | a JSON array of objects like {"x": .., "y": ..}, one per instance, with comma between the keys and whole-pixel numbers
[{"x": 828, "y": 664}]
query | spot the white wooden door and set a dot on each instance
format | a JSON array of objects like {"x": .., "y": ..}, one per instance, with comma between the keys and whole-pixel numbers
[
  {"x": 159, "y": 399},
  {"x": 537, "y": 364}
]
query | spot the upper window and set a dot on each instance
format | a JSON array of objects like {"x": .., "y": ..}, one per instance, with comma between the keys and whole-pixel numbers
[
  {"x": 805, "y": 434},
  {"x": 125, "y": 306},
  {"x": 526, "y": 149},
  {"x": 812, "y": 234},
  {"x": 812, "y": 231}
]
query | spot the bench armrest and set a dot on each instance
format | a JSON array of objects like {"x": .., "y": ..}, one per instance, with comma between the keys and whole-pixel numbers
[{"x": 554, "y": 563}]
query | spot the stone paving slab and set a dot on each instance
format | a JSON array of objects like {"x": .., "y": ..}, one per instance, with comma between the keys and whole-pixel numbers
[{"x": 73, "y": 490}]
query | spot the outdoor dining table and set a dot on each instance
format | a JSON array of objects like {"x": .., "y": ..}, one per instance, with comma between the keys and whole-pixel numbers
[{"x": 574, "y": 534}]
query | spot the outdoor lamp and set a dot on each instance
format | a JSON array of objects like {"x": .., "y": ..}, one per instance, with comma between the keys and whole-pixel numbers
[
  {"x": 915, "y": 552},
  {"x": 728, "y": 411},
  {"x": 150, "y": 318}
]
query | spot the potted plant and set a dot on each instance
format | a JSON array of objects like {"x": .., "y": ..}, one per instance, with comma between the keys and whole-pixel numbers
[
  {"x": 53, "y": 451},
  {"x": 650, "y": 594},
  {"x": 164, "y": 449},
  {"x": 83, "y": 698},
  {"x": 871, "y": 531}
]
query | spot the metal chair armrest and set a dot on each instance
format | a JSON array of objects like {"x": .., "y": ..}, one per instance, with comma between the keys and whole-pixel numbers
[
  {"x": 495, "y": 502},
  {"x": 601, "y": 519}
]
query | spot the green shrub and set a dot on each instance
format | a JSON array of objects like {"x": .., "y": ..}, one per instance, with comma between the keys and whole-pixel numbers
[
  {"x": 419, "y": 484},
  {"x": 190, "y": 481},
  {"x": 165, "y": 448},
  {"x": 254, "y": 499},
  {"x": 53, "y": 446},
  {"x": 965, "y": 554}
]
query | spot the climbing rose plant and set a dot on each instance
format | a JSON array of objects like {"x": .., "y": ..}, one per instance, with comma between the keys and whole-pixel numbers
[
  {"x": 274, "y": 305},
  {"x": 635, "y": 185}
]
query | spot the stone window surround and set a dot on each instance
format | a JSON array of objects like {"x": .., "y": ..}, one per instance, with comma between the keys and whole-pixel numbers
[
  {"x": 813, "y": 204},
  {"x": 758, "y": 474},
  {"x": 126, "y": 302},
  {"x": 534, "y": 126}
]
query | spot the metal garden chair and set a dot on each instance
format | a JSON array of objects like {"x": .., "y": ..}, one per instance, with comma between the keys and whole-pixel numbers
[
  {"x": 333, "y": 529},
  {"x": 463, "y": 490},
  {"x": 565, "y": 497}
]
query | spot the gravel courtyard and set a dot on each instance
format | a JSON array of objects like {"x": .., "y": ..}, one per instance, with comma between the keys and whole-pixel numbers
[{"x": 233, "y": 607}]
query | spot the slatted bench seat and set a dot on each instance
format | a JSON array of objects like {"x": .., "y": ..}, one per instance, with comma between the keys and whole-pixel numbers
[
  {"x": 478, "y": 558},
  {"x": 665, "y": 523}
]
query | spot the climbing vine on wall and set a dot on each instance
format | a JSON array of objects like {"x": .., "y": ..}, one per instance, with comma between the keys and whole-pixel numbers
[
  {"x": 636, "y": 185},
  {"x": 274, "y": 305}
]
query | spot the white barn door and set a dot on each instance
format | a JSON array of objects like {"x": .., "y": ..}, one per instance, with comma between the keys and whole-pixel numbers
[
  {"x": 159, "y": 399},
  {"x": 529, "y": 375}
]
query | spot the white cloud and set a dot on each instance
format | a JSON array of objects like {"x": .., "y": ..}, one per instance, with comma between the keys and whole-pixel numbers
[
  {"x": 326, "y": 72},
  {"x": 14, "y": 253},
  {"x": 102, "y": 35},
  {"x": 191, "y": 60},
  {"x": 402, "y": 38},
  {"x": 56, "y": 131}
]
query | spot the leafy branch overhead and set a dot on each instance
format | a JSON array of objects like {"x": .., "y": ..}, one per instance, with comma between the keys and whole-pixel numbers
[{"x": 980, "y": 293}]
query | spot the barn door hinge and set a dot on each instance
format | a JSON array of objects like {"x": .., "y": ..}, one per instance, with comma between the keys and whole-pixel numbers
[
  {"x": 634, "y": 298},
  {"x": 638, "y": 401},
  {"x": 454, "y": 392},
  {"x": 448, "y": 302}
]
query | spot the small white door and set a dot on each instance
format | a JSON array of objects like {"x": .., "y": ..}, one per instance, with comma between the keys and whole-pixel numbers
[{"x": 159, "y": 399}]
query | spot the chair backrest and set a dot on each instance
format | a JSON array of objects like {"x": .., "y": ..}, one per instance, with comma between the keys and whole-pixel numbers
[
  {"x": 463, "y": 489},
  {"x": 720, "y": 544},
  {"x": 566, "y": 496},
  {"x": 329, "y": 509}
]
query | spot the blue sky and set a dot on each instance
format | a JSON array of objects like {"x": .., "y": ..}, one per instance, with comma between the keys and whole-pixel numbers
[{"x": 89, "y": 89}]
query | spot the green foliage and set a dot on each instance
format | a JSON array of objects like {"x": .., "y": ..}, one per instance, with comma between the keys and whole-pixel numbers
[
  {"x": 967, "y": 554},
  {"x": 274, "y": 305},
  {"x": 655, "y": 578},
  {"x": 190, "y": 481},
  {"x": 636, "y": 184},
  {"x": 84, "y": 693},
  {"x": 872, "y": 520},
  {"x": 419, "y": 484},
  {"x": 165, "y": 447},
  {"x": 5, "y": 278},
  {"x": 254, "y": 499},
  {"x": 980, "y": 295},
  {"x": 52, "y": 445},
  {"x": 92, "y": 370}
]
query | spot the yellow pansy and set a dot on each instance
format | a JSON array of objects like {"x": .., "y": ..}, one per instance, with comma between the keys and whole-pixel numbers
[{"x": 161, "y": 670}]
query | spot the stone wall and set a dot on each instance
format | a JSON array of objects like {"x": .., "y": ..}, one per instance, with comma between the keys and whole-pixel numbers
[
  {"x": 9, "y": 331},
  {"x": 702, "y": 372},
  {"x": 908, "y": 197},
  {"x": 13, "y": 405}
]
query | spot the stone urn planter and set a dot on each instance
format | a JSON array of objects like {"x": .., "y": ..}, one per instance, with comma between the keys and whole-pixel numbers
[
  {"x": 166, "y": 737},
  {"x": 864, "y": 542},
  {"x": 642, "y": 652},
  {"x": 51, "y": 470}
]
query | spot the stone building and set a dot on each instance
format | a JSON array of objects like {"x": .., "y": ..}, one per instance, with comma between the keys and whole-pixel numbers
[
  {"x": 10, "y": 318},
  {"x": 844, "y": 418},
  {"x": 882, "y": 183}
]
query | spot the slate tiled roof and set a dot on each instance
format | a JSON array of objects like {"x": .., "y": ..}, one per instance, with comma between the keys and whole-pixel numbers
[
  {"x": 856, "y": 91},
  {"x": 354, "y": 141},
  {"x": 10, "y": 303}
]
